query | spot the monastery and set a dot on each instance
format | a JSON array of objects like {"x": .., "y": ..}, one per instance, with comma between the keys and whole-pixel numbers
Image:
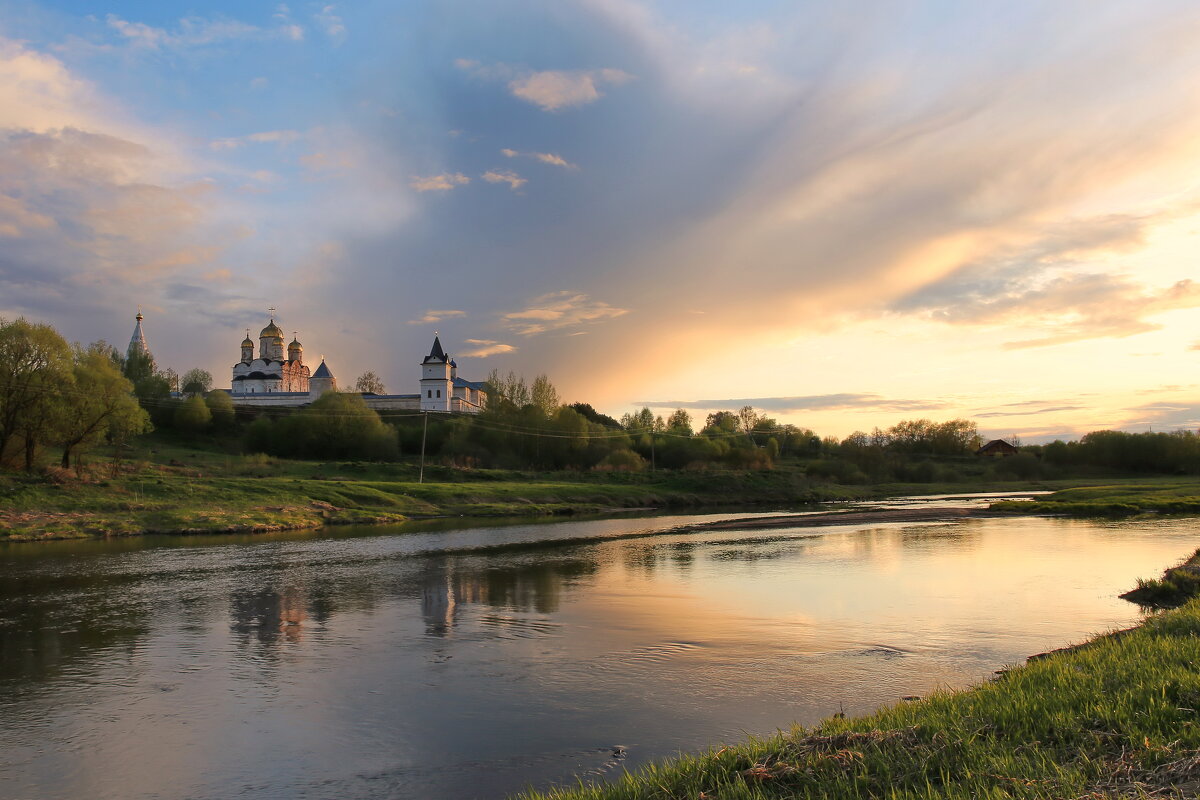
[{"x": 280, "y": 380}]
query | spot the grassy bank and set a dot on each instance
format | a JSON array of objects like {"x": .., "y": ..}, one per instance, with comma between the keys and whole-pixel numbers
[
  {"x": 1127, "y": 498},
  {"x": 1119, "y": 717},
  {"x": 1177, "y": 586},
  {"x": 182, "y": 490},
  {"x": 167, "y": 487}
]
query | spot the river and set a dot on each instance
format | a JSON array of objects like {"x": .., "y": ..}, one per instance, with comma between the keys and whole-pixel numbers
[{"x": 454, "y": 660}]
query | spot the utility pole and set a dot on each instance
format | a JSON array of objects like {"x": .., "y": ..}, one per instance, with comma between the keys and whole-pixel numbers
[{"x": 424, "y": 430}]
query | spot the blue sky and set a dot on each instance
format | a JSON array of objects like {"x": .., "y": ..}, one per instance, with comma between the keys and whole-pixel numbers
[{"x": 844, "y": 216}]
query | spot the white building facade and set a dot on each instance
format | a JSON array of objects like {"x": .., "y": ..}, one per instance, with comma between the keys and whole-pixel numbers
[{"x": 271, "y": 380}]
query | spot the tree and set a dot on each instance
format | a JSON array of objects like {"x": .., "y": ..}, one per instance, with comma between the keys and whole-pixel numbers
[
  {"x": 721, "y": 423},
  {"x": 102, "y": 405},
  {"x": 543, "y": 395},
  {"x": 510, "y": 387},
  {"x": 369, "y": 383},
  {"x": 196, "y": 381},
  {"x": 747, "y": 418},
  {"x": 35, "y": 373},
  {"x": 220, "y": 405},
  {"x": 193, "y": 414},
  {"x": 680, "y": 422},
  {"x": 338, "y": 425},
  {"x": 148, "y": 382},
  {"x": 592, "y": 415}
]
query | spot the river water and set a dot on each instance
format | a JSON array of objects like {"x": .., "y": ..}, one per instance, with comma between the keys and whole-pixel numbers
[{"x": 453, "y": 661}]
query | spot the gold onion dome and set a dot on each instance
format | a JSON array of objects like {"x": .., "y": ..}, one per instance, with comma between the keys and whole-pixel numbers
[
  {"x": 295, "y": 345},
  {"x": 271, "y": 331},
  {"x": 247, "y": 342}
]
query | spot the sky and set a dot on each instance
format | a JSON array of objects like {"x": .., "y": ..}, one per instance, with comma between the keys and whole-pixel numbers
[{"x": 843, "y": 215}]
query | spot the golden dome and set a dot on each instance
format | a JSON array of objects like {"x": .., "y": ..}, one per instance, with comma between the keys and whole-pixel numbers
[{"x": 272, "y": 331}]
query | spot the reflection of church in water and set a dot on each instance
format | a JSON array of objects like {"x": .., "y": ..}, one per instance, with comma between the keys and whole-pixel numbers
[{"x": 446, "y": 587}]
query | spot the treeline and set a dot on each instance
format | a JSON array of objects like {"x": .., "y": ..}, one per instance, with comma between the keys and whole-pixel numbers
[
  {"x": 70, "y": 398},
  {"x": 62, "y": 396},
  {"x": 1175, "y": 452}
]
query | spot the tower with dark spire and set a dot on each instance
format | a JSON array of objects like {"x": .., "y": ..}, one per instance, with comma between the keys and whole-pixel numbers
[
  {"x": 137, "y": 343},
  {"x": 437, "y": 386}
]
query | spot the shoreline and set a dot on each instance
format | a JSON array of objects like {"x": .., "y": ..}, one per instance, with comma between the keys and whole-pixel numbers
[{"x": 1111, "y": 717}]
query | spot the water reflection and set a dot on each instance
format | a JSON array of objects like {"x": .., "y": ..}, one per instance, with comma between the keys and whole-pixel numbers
[{"x": 439, "y": 663}]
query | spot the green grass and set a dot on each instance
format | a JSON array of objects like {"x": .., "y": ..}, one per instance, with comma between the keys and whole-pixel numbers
[
  {"x": 1128, "y": 498},
  {"x": 166, "y": 486},
  {"x": 1176, "y": 586},
  {"x": 1119, "y": 717}
]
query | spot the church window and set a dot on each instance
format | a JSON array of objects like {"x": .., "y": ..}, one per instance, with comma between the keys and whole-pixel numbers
[
  {"x": 439, "y": 391},
  {"x": 429, "y": 393}
]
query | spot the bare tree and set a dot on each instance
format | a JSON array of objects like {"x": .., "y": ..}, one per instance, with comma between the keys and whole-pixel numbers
[{"x": 369, "y": 383}]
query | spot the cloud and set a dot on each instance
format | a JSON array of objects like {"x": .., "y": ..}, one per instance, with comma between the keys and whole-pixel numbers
[
  {"x": 1194, "y": 346},
  {"x": 783, "y": 405},
  {"x": 487, "y": 347},
  {"x": 560, "y": 310},
  {"x": 263, "y": 137},
  {"x": 513, "y": 180},
  {"x": 546, "y": 158},
  {"x": 1067, "y": 308},
  {"x": 1031, "y": 412},
  {"x": 555, "y": 90},
  {"x": 198, "y": 32},
  {"x": 331, "y": 23},
  {"x": 1183, "y": 414},
  {"x": 432, "y": 316},
  {"x": 439, "y": 183},
  {"x": 549, "y": 90}
]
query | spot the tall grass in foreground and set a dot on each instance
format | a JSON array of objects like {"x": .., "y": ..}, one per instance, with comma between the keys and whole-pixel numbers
[{"x": 1119, "y": 717}]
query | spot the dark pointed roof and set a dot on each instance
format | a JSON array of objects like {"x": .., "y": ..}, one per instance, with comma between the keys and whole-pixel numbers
[
  {"x": 437, "y": 353},
  {"x": 322, "y": 371}
]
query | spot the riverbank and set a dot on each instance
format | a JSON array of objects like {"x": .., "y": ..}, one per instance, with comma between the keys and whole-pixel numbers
[
  {"x": 191, "y": 499},
  {"x": 1115, "y": 499},
  {"x": 1116, "y": 717},
  {"x": 177, "y": 490}
]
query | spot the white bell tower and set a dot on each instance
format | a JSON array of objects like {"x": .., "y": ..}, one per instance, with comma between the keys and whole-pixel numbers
[{"x": 436, "y": 385}]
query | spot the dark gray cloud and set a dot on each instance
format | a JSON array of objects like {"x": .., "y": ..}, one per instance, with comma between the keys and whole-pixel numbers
[{"x": 825, "y": 402}]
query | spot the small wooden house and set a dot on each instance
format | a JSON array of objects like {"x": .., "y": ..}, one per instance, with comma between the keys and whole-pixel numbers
[{"x": 997, "y": 448}]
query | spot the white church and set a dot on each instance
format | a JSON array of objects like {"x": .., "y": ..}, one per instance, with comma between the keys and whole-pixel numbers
[{"x": 273, "y": 379}]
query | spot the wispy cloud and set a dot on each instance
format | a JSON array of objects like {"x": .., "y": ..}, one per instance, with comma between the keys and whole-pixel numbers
[
  {"x": 546, "y": 158},
  {"x": 1072, "y": 307},
  {"x": 560, "y": 310},
  {"x": 332, "y": 24},
  {"x": 549, "y": 90},
  {"x": 783, "y": 405},
  {"x": 439, "y": 183},
  {"x": 513, "y": 180},
  {"x": 432, "y": 315},
  {"x": 262, "y": 137},
  {"x": 487, "y": 347},
  {"x": 199, "y": 32}
]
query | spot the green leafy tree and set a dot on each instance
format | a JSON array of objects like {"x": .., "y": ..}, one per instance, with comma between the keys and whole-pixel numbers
[
  {"x": 148, "y": 383},
  {"x": 196, "y": 381},
  {"x": 511, "y": 388},
  {"x": 193, "y": 415},
  {"x": 35, "y": 375},
  {"x": 220, "y": 405},
  {"x": 543, "y": 395},
  {"x": 680, "y": 423},
  {"x": 101, "y": 405}
]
